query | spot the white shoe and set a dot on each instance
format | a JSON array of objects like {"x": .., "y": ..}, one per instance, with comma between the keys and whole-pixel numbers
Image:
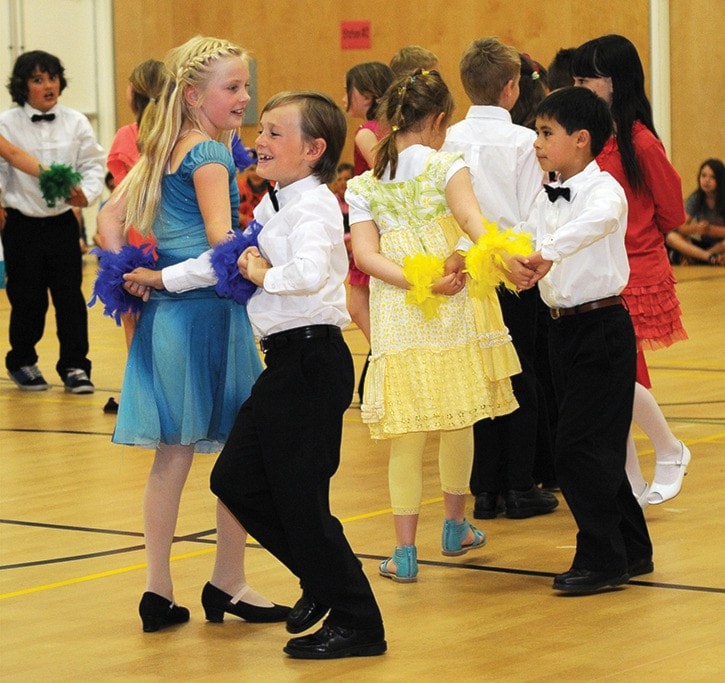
[
  {"x": 659, "y": 493},
  {"x": 642, "y": 497}
]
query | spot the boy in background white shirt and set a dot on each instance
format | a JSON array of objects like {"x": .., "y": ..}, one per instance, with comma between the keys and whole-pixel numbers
[{"x": 506, "y": 179}]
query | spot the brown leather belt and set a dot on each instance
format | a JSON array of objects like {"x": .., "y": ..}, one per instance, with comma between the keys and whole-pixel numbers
[{"x": 557, "y": 313}]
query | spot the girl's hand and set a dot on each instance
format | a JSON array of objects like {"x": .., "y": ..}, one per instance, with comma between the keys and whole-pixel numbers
[
  {"x": 449, "y": 285},
  {"x": 455, "y": 263}
]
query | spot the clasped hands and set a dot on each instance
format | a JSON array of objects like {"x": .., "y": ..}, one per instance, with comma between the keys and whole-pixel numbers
[
  {"x": 523, "y": 272},
  {"x": 140, "y": 281},
  {"x": 253, "y": 266},
  {"x": 526, "y": 271}
]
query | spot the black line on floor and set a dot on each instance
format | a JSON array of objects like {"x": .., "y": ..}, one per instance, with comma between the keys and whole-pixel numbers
[
  {"x": 531, "y": 572},
  {"x": 198, "y": 537},
  {"x": 54, "y": 431},
  {"x": 73, "y": 558},
  {"x": 68, "y": 527}
]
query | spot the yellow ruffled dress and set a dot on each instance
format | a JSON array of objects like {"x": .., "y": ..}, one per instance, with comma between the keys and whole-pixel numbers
[{"x": 446, "y": 372}]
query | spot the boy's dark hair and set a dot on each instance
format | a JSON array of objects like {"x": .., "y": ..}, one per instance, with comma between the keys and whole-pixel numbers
[
  {"x": 579, "y": 109},
  {"x": 23, "y": 70},
  {"x": 560, "y": 75},
  {"x": 320, "y": 117}
]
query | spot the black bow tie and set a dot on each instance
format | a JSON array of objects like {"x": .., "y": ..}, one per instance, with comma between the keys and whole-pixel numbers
[
  {"x": 553, "y": 193},
  {"x": 273, "y": 196},
  {"x": 42, "y": 117}
]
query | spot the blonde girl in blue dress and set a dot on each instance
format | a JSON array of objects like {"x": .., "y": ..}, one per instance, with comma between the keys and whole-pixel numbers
[{"x": 441, "y": 358}]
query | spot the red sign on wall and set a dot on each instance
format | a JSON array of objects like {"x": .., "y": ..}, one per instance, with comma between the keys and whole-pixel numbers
[{"x": 355, "y": 35}]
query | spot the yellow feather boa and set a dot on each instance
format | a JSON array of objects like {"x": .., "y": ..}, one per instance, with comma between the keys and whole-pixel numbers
[
  {"x": 421, "y": 271},
  {"x": 485, "y": 263}
]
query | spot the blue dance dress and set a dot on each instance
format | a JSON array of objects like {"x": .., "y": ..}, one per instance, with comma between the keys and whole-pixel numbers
[{"x": 193, "y": 358}]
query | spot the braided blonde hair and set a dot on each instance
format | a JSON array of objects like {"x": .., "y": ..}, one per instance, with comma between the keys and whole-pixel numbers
[{"x": 189, "y": 65}]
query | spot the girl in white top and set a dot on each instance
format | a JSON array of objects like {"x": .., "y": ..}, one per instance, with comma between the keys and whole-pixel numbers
[{"x": 402, "y": 212}]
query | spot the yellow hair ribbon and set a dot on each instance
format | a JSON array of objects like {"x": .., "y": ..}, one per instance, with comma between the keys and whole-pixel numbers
[
  {"x": 422, "y": 271},
  {"x": 485, "y": 262}
]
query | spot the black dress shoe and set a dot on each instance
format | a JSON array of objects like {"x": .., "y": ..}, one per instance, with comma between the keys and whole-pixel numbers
[
  {"x": 216, "y": 602},
  {"x": 333, "y": 642},
  {"x": 583, "y": 581},
  {"x": 488, "y": 505},
  {"x": 522, "y": 504},
  {"x": 306, "y": 613},
  {"x": 643, "y": 565},
  {"x": 157, "y": 612}
]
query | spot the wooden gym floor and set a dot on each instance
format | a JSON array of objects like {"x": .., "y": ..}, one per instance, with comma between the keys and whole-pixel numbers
[{"x": 72, "y": 559}]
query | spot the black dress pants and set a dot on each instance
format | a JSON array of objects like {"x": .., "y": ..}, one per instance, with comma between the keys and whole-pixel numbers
[
  {"x": 274, "y": 473},
  {"x": 593, "y": 358},
  {"x": 41, "y": 255},
  {"x": 505, "y": 448}
]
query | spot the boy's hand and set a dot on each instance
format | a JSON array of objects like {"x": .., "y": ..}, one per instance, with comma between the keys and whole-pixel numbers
[
  {"x": 539, "y": 265},
  {"x": 140, "y": 282},
  {"x": 519, "y": 274},
  {"x": 253, "y": 266},
  {"x": 243, "y": 260},
  {"x": 77, "y": 198}
]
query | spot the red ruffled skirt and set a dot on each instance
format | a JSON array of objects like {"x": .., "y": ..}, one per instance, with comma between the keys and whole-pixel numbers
[{"x": 657, "y": 320}]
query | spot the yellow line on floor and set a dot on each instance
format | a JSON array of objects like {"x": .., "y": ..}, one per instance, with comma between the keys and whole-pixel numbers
[{"x": 183, "y": 556}]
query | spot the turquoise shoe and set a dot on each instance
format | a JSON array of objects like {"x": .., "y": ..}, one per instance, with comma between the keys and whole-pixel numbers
[
  {"x": 406, "y": 561},
  {"x": 454, "y": 535}
]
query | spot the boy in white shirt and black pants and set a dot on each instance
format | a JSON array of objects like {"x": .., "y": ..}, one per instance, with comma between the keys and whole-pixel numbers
[
  {"x": 506, "y": 180},
  {"x": 42, "y": 243},
  {"x": 580, "y": 224}
]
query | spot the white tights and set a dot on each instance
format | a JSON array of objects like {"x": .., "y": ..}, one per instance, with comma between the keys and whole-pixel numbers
[{"x": 648, "y": 417}]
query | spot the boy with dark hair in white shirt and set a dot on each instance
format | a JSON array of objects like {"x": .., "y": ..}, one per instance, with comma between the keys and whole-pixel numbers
[
  {"x": 42, "y": 243},
  {"x": 579, "y": 224},
  {"x": 506, "y": 179}
]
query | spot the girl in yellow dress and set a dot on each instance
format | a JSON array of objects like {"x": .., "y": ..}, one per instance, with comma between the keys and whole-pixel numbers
[{"x": 441, "y": 357}]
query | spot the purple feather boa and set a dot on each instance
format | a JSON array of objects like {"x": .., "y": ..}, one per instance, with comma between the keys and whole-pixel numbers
[
  {"x": 108, "y": 286},
  {"x": 231, "y": 283}
]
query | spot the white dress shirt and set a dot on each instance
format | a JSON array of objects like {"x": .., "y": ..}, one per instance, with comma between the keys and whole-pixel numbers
[
  {"x": 69, "y": 139},
  {"x": 500, "y": 155},
  {"x": 584, "y": 237},
  {"x": 304, "y": 242}
]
